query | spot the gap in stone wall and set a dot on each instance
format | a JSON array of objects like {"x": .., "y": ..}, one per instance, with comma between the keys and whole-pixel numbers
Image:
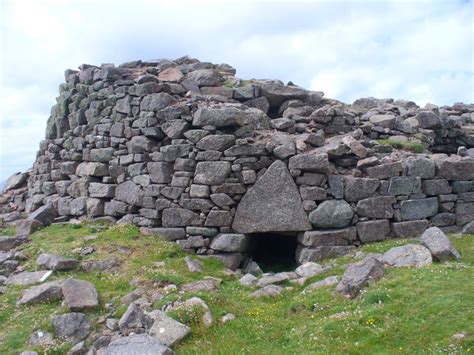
[{"x": 273, "y": 251}]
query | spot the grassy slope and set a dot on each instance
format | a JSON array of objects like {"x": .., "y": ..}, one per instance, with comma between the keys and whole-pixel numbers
[{"x": 409, "y": 310}]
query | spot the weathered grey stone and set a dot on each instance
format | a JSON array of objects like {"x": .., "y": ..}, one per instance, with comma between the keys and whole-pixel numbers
[
  {"x": 435, "y": 187},
  {"x": 129, "y": 192},
  {"x": 328, "y": 237},
  {"x": 27, "y": 278},
  {"x": 386, "y": 121},
  {"x": 277, "y": 93},
  {"x": 134, "y": 320},
  {"x": 421, "y": 167},
  {"x": 428, "y": 119},
  {"x": 376, "y": 207},
  {"x": 313, "y": 193},
  {"x": 219, "y": 142},
  {"x": 179, "y": 217},
  {"x": 7, "y": 243},
  {"x": 205, "y": 77},
  {"x": 175, "y": 128},
  {"x": 71, "y": 325},
  {"x": 372, "y": 231},
  {"x": 103, "y": 155},
  {"x": 49, "y": 291},
  {"x": 443, "y": 219},
  {"x": 385, "y": 171},
  {"x": 413, "y": 255},
  {"x": 356, "y": 189},
  {"x": 101, "y": 190},
  {"x": 142, "y": 344},
  {"x": 55, "y": 262},
  {"x": 359, "y": 275},
  {"x": 418, "y": 209},
  {"x": 44, "y": 214},
  {"x": 156, "y": 101},
  {"x": 211, "y": 172},
  {"x": 248, "y": 280},
  {"x": 468, "y": 228},
  {"x": 404, "y": 185},
  {"x": 455, "y": 168},
  {"x": 223, "y": 116},
  {"x": 139, "y": 144},
  {"x": 167, "y": 330},
  {"x": 79, "y": 294},
  {"x": 310, "y": 269},
  {"x": 229, "y": 242},
  {"x": 318, "y": 163},
  {"x": 409, "y": 229},
  {"x": 217, "y": 218},
  {"x": 271, "y": 204},
  {"x": 439, "y": 245},
  {"x": 92, "y": 169},
  {"x": 267, "y": 291},
  {"x": 15, "y": 181},
  {"x": 193, "y": 265},
  {"x": 332, "y": 214},
  {"x": 209, "y": 284},
  {"x": 304, "y": 254},
  {"x": 328, "y": 281}
]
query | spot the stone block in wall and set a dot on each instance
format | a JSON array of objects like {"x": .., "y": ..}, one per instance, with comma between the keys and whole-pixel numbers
[
  {"x": 212, "y": 173},
  {"x": 156, "y": 101},
  {"x": 78, "y": 206},
  {"x": 373, "y": 231},
  {"x": 170, "y": 153},
  {"x": 311, "y": 162},
  {"x": 169, "y": 234},
  {"x": 199, "y": 191},
  {"x": 314, "y": 179},
  {"x": 455, "y": 168},
  {"x": 160, "y": 172},
  {"x": 418, "y": 209},
  {"x": 79, "y": 188},
  {"x": 95, "y": 207},
  {"x": 210, "y": 155},
  {"x": 404, "y": 185},
  {"x": 129, "y": 192},
  {"x": 182, "y": 164},
  {"x": 179, "y": 217},
  {"x": 384, "y": 171},
  {"x": 409, "y": 229},
  {"x": 230, "y": 260},
  {"x": 173, "y": 193},
  {"x": 175, "y": 128},
  {"x": 466, "y": 196},
  {"x": 229, "y": 188},
  {"x": 103, "y": 155},
  {"x": 100, "y": 190},
  {"x": 356, "y": 189},
  {"x": 330, "y": 237},
  {"x": 68, "y": 167},
  {"x": 219, "y": 142},
  {"x": 139, "y": 144},
  {"x": 180, "y": 181},
  {"x": 461, "y": 186},
  {"x": 305, "y": 254},
  {"x": 313, "y": 193},
  {"x": 336, "y": 185},
  {"x": 196, "y": 204},
  {"x": 443, "y": 219},
  {"x": 246, "y": 149},
  {"x": 92, "y": 169},
  {"x": 230, "y": 242},
  {"x": 150, "y": 213},
  {"x": 331, "y": 214},
  {"x": 376, "y": 207},
  {"x": 248, "y": 177},
  {"x": 222, "y": 200},
  {"x": 217, "y": 218},
  {"x": 435, "y": 187}
]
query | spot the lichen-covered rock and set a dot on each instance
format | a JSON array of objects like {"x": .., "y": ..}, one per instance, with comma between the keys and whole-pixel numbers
[{"x": 408, "y": 255}]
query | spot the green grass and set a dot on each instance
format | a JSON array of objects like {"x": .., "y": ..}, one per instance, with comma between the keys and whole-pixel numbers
[
  {"x": 408, "y": 146},
  {"x": 408, "y": 311}
]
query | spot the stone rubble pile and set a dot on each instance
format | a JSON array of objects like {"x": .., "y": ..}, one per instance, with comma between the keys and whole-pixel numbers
[{"x": 188, "y": 151}]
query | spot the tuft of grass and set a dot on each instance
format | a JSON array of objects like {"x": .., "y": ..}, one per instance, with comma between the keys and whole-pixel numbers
[{"x": 408, "y": 146}]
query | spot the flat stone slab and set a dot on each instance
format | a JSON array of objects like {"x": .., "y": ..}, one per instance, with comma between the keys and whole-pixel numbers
[
  {"x": 28, "y": 278},
  {"x": 79, "y": 294},
  {"x": 268, "y": 291},
  {"x": 167, "y": 330},
  {"x": 140, "y": 344},
  {"x": 49, "y": 291},
  {"x": 413, "y": 255},
  {"x": 272, "y": 204}
]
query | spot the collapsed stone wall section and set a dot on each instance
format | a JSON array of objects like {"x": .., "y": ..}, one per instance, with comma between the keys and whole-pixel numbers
[{"x": 188, "y": 151}]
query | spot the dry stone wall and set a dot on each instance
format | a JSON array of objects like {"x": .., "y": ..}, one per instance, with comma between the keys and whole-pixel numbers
[{"x": 188, "y": 151}]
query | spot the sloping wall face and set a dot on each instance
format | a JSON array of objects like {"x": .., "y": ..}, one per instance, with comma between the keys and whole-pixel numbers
[{"x": 188, "y": 151}]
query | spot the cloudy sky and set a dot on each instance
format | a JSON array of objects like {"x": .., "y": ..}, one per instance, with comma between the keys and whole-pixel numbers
[{"x": 418, "y": 50}]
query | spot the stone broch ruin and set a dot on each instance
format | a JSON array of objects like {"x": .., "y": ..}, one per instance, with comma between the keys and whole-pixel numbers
[{"x": 235, "y": 168}]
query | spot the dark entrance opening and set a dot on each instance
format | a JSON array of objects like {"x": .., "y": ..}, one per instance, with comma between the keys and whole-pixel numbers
[{"x": 274, "y": 251}]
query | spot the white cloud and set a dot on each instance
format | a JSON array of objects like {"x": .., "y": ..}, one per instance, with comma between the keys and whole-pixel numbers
[{"x": 418, "y": 50}]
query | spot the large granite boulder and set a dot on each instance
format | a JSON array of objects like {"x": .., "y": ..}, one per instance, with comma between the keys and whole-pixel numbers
[
  {"x": 359, "y": 275},
  {"x": 272, "y": 204},
  {"x": 408, "y": 255}
]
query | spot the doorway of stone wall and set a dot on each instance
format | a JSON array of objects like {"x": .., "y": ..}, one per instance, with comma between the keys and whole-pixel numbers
[{"x": 273, "y": 251}]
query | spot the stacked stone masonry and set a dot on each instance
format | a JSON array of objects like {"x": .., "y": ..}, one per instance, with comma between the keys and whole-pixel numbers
[{"x": 188, "y": 151}]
